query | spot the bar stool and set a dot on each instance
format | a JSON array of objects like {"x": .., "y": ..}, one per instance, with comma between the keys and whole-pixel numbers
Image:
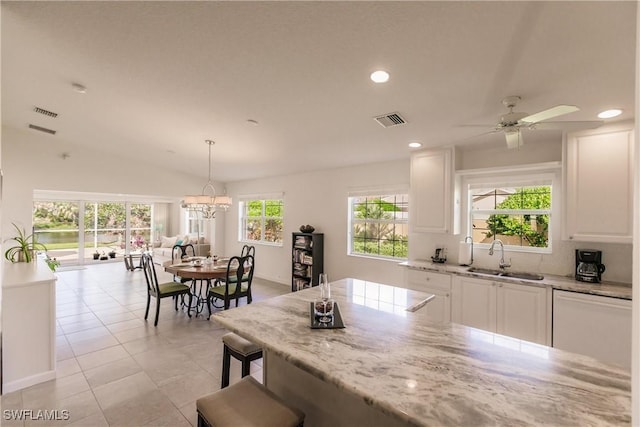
[
  {"x": 243, "y": 350},
  {"x": 246, "y": 403}
]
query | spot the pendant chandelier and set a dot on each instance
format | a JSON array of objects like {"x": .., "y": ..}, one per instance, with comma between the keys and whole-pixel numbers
[{"x": 207, "y": 202}]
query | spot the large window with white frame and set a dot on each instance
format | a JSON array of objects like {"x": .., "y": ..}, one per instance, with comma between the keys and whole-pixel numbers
[
  {"x": 517, "y": 210},
  {"x": 378, "y": 225},
  {"x": 261, "y": 220}
]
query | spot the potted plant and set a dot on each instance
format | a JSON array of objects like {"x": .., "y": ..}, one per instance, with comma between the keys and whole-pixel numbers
[
  {"x": 112, "y": 253},
  {"x": 24, "y": 250},
  {"x": 96, "y": 255}
]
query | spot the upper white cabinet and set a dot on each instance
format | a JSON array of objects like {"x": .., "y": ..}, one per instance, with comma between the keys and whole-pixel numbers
[
  {"x": 598, "y": 185},
  {"x": 434, "y": 199},
  {"x": 516, "y": 310}
]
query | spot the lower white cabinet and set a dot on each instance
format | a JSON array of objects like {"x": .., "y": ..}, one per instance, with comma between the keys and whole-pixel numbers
[
  {"x": 438, "y": 284},
  {"x": 593, "y": 325},
  {"x": 28, "y": 325},
  {"x": 516, "y": 310}
]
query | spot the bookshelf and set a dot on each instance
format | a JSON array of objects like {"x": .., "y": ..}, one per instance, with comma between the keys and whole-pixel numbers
[{"x": 307, "y": 260}]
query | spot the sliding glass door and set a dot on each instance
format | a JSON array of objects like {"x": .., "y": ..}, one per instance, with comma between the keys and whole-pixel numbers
[
  {"x": 57, "y": 225},
  {"x": 79, "y": 231}
]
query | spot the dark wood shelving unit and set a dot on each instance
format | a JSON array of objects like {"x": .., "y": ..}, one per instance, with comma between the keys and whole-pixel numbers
[{"x": 307, "y": 260}]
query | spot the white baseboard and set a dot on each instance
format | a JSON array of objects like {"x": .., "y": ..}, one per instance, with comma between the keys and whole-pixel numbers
[{"x": 28, "y": 381}]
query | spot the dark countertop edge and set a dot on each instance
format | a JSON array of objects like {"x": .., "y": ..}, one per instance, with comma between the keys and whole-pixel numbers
[{"x": 607, "y": 289}]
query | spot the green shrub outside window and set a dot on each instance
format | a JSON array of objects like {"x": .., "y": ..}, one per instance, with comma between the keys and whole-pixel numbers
[
  {"x": 379, "y": 226},
  {"x": 262, "y": 221}
]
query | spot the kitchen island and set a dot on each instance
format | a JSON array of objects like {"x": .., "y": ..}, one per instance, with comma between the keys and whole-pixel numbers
[{"x": 390, "y": 366}]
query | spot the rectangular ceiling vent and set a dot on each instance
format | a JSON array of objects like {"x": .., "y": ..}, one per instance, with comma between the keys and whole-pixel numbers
[
  {"x": 390, "y": 120},
  {"x": 41, "y": 129},
  {"x": 45, "y": 112}
]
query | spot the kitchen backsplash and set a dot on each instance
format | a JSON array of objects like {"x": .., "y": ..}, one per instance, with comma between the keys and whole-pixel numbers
[{"x": 616, "y": 257}]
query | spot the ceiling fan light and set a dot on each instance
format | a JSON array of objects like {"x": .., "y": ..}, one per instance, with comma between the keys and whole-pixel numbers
[{"x": 608, "y": 114}]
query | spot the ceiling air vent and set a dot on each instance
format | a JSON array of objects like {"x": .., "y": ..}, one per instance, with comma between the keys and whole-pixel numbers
[
  {"x": 41, "y": 129},
  {"x": 389, "y": 120},
  {"x": 45, "y": 112}
]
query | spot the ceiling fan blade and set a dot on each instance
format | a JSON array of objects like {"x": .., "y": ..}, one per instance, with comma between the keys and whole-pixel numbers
[
  {"x": 556, "y": 111},
  {"x": 514, "y": 139},
  {"x": 568, "y": 126},
  {"x": 477, "y": 126}
]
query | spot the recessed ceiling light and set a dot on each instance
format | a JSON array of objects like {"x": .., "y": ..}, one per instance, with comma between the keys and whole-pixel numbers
[
  {"x": 609, "y": 114},
  {"x": 415, "y": 144},
  {"x": 380, "y": 76}
]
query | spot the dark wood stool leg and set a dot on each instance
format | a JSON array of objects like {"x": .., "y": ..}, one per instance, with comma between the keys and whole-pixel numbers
[
  {"x": 226, "y": 367},
  {"x": 201, "y": 421},
  {"x": 246, "y": 367}
]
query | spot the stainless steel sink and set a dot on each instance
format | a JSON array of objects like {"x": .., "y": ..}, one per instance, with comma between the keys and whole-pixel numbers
[
  {"x": 506, "y": 274},
  {"x": 527, "y": 276},
  {"x": 484, "y": 271}
]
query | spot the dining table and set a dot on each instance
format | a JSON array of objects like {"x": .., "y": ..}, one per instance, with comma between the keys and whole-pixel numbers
[{"x": 199, "y": 269}]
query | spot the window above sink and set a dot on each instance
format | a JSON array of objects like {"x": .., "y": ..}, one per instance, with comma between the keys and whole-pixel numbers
[{"x": 512, "y": 205}]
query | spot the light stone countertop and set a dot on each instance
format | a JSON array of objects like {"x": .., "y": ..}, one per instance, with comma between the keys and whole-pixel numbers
[
  {"x": 20, "y": 274},
  {"x": 609, "y": 289},
  {"x": 427, "y": 373}
]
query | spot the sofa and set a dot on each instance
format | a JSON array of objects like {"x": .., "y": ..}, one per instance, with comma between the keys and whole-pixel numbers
[{"x": 162, "y": 249}]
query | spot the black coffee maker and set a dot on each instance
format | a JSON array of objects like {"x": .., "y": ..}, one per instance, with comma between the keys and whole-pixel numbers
[{"x": 589, "y": 267}]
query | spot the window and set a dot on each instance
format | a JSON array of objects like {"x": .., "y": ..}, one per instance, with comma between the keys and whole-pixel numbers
[
  {"x": 194, "y": 224},
  {"x": 261, "y": 221},
  {"x": 519, "y": 215},
  {"x": 378, "y": 225}
]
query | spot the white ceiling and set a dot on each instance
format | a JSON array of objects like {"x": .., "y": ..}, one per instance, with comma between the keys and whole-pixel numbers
[{"x": 162, "y": 77}]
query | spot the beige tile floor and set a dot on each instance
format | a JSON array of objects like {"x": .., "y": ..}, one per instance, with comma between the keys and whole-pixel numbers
[{"x": 116, "y": 369}]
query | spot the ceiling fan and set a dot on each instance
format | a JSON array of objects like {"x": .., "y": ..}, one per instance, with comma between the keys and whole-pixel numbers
[{"x": 513, "y": 122}]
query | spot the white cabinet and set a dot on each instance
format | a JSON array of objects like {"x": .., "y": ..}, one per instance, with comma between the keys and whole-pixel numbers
[
  {"x": 28, "y": 325},
  {"x": 598, "y": 185},
  {"x": 438, "y": 284},
  {"x": 473, "y": 303},
  {"x": 434, "y": 196},
  {"x": 516, "y": 310},
  {"x": 522, "y": 312},
  {"x": 593, "y": 325}
]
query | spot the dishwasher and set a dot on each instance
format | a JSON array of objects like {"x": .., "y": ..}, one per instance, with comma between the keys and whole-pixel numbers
[{"x": 593, "y": 325}]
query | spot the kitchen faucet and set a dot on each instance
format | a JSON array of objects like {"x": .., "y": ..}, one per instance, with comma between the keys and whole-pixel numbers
[{"x": 502, "y": 263}]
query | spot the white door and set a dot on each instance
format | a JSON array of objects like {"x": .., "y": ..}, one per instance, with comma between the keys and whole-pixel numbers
[
  {"x": 430, "y": 196},
  {"x": 593, "y": 325},
  {"x": 599, "y": 186},
  {"x": 522, "y": 312},
  {"x": 474, "y": 303},
  {"x": 439, "y": 308}
]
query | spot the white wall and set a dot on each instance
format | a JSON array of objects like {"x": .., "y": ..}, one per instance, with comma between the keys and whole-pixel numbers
[
  {"x": 32, "y": 161},
  {"x": 319, "y": 199}
]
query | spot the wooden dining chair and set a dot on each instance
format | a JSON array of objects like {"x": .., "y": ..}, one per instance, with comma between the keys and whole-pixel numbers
[
  {"x": 177, "y": 253},
  {"x": 248, "y": 250},
  {"x": 234, "y": 287},
  {"x": 161, "y": 290}
]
